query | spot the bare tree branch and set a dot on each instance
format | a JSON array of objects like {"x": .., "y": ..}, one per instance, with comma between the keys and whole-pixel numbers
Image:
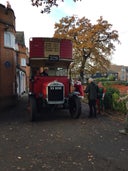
[{"x": 47, "y": 4}]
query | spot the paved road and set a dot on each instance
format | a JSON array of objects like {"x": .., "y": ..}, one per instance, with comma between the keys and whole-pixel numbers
[{"x": 58, "y": 143}]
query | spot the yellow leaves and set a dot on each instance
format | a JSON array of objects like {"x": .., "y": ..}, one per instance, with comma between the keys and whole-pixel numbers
[
  {"x": 90, "y": 45},
  {"x": 91, "y": 158},
  {"x": 90, "y": 41}
]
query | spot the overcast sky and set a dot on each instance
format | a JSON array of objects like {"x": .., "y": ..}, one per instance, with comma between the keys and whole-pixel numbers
[{"x": 34, "y": 24}]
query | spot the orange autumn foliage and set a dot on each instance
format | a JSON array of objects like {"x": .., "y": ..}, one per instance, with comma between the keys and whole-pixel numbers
[{"x": 122, "y": 88}]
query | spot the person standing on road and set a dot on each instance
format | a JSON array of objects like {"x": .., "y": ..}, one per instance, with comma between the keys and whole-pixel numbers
[
  {"x": 92, "y": 93},
  {"x": 100, "y": 97},
  {"x": 78, "y": 87}
]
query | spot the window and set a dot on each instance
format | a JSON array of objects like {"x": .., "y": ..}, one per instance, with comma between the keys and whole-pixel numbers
[
  {"x": 9, "y": 40},
  {"x": 23, "y": 62}
]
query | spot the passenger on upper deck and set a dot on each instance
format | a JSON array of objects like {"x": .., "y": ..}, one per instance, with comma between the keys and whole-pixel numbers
[{"x": 45, "y": 72}]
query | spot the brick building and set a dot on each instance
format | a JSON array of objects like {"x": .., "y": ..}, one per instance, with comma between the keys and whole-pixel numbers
[
  {"x": 22, "y": 70},
  {"x": 121, "y": 70},
  {"x": 13, "y": 53}
]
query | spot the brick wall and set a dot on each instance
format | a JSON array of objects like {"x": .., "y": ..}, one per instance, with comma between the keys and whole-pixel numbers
[{"x": 7, "y": 57}]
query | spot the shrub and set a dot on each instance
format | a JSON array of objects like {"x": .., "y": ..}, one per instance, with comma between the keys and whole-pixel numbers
[
  {"x": 111, "y": 78},
  {"x": 108, "y": 99},
  {"x": 118, "y": 105},
  {"x": 122, "y": 107},
  {"x": 115, "y": 98}
]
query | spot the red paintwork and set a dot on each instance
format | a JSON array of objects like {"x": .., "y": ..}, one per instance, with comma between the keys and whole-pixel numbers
[
  {"x": 40, "y": 84},
  {"x": 42, "y": 48},
  {"x": 37, "y": 47},
  {"x": 65, "y": 49},
  {"x": 78, "y": 87}
]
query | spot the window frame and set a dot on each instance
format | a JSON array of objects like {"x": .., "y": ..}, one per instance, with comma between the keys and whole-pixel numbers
[{"x": 9, "y": 39}]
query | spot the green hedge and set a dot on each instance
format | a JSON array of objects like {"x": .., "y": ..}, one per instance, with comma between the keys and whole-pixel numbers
[
  {"x": 111, "y": 100},
  {"x": 108, "y": 99}
]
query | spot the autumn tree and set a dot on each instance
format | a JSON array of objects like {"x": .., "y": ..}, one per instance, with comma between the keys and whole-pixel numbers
[
  {"x": 47, "y": 4},
  {"x": 93, "y": 44}
]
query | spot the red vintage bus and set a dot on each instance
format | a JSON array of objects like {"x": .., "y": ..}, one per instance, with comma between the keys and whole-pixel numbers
[{"x": 52, "y": 88}]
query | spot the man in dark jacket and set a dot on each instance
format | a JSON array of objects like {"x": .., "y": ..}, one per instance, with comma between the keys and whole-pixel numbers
[{"x": 92, "y": 93}]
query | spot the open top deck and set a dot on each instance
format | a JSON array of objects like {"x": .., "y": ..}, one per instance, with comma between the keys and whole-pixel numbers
[
  {"x": 56, "y": 54},
  {"x": 52, "y": 48}
]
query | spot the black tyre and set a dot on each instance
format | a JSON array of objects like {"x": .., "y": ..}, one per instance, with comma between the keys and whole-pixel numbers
[
  {"x": 75, "y": 107},
  {"x": 33, "y": 108}
]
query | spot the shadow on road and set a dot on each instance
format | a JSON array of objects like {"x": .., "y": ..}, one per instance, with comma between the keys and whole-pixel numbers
[{"x": 20, "y": 113}]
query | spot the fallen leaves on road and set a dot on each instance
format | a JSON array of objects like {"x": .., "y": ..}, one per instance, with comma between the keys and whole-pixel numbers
[{"x": 91, "y": 158}]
